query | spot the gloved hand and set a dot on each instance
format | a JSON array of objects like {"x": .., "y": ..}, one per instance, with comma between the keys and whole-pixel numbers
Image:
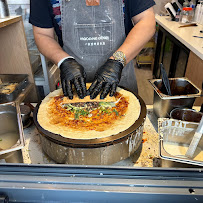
[
  {"x": 73, "y": 73},
  {"x": 106, "y": 79}
]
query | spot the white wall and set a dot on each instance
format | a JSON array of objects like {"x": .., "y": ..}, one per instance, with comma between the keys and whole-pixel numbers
[
  {"x": 159, "y": 7},
  {"x": 18, "y": 1},
  {"x": 22, "y": 7},
  {"x": 23, "y": 4}
]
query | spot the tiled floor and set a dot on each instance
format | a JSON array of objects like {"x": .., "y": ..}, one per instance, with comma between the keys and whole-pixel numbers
[{"x": 145, "y": 90}]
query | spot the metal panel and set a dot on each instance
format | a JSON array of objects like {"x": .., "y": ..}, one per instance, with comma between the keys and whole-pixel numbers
[{"x": 100, "y": 184}]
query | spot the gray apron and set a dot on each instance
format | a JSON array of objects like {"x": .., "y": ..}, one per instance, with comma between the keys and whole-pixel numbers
[{"x": 91, "y": 34}]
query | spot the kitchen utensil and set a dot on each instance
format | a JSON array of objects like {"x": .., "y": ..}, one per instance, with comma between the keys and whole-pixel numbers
[
  {"x": 198, "y": 36},
  {"x": 188, "y": 25},
  {"x": 184, "y": 94},
  {"x": 195, "y": 141},
  {"x": 165, "y": 79}
]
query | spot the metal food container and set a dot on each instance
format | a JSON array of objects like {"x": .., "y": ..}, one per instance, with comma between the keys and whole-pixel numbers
[
  {"x": 175, "y": 137},
  {"x": 183, "y": 91},
  {"x": 11, "y": 133},
  {"x": 190, "y": 115},
  {"x": 22, "y": 83}
]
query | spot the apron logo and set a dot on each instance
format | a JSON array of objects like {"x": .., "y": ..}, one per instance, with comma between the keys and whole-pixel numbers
[
  {"x": 94, "y": 38},
  {"x": 92, "y": 2},
  {"x": 98, "y": 41}
]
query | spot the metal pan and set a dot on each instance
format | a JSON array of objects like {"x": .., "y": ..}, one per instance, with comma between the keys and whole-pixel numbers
[
  {"x": 175, "y": 137},
  {"x": 11, "y": 126},
  {"x": 21, "y": 79}
]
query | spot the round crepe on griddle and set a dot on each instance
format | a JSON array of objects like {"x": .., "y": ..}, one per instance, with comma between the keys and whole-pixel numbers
[{"x": 86, "y": 118}]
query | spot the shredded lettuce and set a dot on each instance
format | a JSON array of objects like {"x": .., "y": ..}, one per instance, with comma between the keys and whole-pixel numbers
[
  {"x": 105, "y": 107},
  {"x": 107, "y": 104}
]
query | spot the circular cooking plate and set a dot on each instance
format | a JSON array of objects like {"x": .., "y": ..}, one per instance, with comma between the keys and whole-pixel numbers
[{"x": 97, "y": 142}]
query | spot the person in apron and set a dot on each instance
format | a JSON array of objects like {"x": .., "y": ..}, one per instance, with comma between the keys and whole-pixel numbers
[{"x": 93, "y": 33}]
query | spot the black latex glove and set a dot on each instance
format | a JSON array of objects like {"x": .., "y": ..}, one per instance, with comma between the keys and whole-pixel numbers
[
  {"x": 73, "y": 73},
  {"x": 106, "y": 79}
]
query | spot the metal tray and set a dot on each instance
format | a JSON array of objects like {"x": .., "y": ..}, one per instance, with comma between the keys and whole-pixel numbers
[
  {"x": 21, "y": 79},
  {"x": 10, "y": 119},
  {"x": 175, "y": 137}
]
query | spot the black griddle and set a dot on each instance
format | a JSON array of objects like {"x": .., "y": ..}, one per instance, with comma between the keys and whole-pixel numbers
[{"x": 93, "y": 143}]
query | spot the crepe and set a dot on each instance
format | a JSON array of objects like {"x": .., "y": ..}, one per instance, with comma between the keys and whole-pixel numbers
[{"x": 119, "y": 121}]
